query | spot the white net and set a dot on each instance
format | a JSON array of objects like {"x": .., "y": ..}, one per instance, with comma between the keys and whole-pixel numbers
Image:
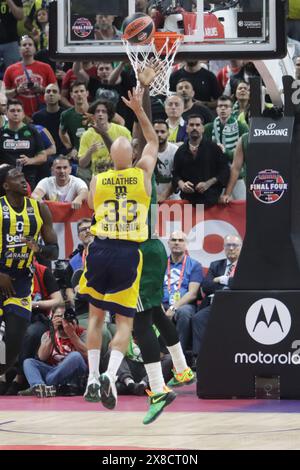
[{"x": 144, "y": 56}]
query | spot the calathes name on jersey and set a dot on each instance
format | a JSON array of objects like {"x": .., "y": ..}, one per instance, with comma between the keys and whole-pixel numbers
[{"x": 120, "y": 180}]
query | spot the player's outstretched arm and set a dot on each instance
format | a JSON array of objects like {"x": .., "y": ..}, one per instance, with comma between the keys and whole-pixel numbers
[
  {"x": 91, "y": 194},
  {"x": 236, "y": 166},
  {"x": 149, "y": 155}
]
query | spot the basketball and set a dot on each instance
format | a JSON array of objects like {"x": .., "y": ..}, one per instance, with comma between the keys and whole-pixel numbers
[{"x": 138, "y": 29}]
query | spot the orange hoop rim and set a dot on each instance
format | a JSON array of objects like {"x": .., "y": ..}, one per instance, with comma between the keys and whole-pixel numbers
[{"x": 160, "y": 38}]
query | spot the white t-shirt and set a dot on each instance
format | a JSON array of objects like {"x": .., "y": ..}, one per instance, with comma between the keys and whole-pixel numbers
[
  {"x": 66, "y": 193},
  {"x": 164, "y": 169}
]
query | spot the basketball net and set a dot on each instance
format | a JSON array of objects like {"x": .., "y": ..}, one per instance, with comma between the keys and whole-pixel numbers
[{"x": 162, "y": 49}]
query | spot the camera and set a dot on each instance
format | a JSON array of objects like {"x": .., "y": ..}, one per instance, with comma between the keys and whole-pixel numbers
[
  {"x": 70, "y": 315},
  {"x": 59, "y": 272}
]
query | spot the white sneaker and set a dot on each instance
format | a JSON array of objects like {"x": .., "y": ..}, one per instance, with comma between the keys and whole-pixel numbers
[
  {"x": 92, "y": 391},
  {"x": 108, "y": 391}
]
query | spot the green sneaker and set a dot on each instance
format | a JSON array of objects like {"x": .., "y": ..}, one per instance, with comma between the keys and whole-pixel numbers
[
  {"x": 92, "y": 392},
  {"x": 39, "y": 390},
  {"x": 186, "y": 377},
  {"x": 28, "y": 392},
  {"x": 157, "y": 402}
]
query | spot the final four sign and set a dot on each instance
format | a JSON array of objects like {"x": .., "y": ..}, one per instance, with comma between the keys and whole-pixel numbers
[{"x": 268, "y": 186}]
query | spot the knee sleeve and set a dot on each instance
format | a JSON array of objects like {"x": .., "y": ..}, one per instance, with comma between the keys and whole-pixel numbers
[
  {"x": 146, "y": 337},
  {"x": 165, "y": 326}
]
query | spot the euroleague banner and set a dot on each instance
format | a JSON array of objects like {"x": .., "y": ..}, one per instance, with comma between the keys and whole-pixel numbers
[{"x": 205, "y": 228}]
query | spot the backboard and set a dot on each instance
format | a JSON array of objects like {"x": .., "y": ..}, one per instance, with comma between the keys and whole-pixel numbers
[{"x": 246, "y": 29}]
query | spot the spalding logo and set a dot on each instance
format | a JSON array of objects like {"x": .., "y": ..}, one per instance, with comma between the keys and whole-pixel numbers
[{"x": 271, "y": 131}]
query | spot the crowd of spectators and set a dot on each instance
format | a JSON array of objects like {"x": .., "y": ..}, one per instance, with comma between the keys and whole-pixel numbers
[{"x": 57, "y": 122}]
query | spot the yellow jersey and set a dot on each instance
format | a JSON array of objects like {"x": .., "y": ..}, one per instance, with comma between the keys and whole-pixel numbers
[
  {"x": 15, "y": 255},
  {"x": 121, "y": 205},
  {"x": 101, "y": 158}
]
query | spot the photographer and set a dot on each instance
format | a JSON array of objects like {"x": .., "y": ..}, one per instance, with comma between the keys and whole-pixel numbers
[
  {"x": 71, "y": 275},
  {"x": 61, "y": 356}
]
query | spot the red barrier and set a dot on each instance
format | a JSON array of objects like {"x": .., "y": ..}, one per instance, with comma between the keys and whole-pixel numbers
[
  {"x": 205, "y": 230},
  {"x": 213, "y": 29}
]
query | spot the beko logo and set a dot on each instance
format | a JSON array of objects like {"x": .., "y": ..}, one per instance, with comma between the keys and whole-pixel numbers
[
  {"x": 268, "y": 321},
  {"x": 271, "y": 131}
]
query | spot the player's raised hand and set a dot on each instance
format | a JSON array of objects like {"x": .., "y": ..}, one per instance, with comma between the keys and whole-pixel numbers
[
  {"x": 148, "y": 73},
  {"x": 135, "y": 99}
]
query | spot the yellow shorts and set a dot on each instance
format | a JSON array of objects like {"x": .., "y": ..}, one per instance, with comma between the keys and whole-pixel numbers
[
  {"x": 111, "y": 278},
  {"x": 20, "y": 304}
]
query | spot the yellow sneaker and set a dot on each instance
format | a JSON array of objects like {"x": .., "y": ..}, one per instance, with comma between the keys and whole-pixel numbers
[{"x": 186, "y": 377}]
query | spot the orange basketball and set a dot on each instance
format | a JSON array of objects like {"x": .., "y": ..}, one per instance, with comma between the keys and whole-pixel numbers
[{"x": 138, "y": 29}]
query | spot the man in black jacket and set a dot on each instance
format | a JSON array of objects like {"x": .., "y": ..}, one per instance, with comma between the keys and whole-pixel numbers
[
  {"x": 219, "y": 277},
  {"x": 201, "y": 170}
]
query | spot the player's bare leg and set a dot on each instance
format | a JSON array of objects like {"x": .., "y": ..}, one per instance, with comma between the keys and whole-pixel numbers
[
  {"x": 94, "y": 341},
  {"x": 119, "y": 345}
]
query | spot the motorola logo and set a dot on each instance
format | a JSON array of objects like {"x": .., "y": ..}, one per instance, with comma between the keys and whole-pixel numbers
[{"x": 268, "y": 321}]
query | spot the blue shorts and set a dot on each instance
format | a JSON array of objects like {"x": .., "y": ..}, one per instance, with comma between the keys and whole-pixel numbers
[
  {"x": 111, "y": 276},
  {"x": 20, "y": 304}
]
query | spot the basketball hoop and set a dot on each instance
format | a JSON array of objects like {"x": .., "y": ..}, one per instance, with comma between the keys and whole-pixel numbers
[{"x": 161, "y": 49}]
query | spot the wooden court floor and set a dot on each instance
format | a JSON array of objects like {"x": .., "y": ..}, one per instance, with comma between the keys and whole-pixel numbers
[{"x": 188, "y": 423}]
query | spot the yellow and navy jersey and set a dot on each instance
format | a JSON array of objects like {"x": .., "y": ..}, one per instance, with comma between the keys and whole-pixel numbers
[
  {"x": 14, "y": 253},
  {"x": 121, "y": 205}
]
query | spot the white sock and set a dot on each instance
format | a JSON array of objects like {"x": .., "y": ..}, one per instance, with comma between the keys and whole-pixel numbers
[
  {"x": 178, "y": 357},
  {"x": 116, "y": 357},
  {"x": 94, "y": 362},
  {"x": 155, "y": 376},
  {"x": 128, "y": 381}
]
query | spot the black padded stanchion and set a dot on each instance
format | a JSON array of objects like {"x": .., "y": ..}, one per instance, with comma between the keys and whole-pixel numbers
[{"x": 253, "y": 329}]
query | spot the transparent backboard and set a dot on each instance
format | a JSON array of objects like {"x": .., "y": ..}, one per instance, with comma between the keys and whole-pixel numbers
[{"x": 253, "y": 29}]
